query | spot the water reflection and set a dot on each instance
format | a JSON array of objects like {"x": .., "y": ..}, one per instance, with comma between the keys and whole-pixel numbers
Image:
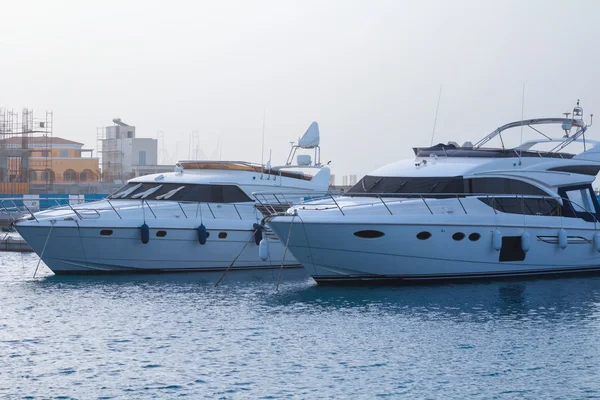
[
  {"x": 562, "y": 298},
  {"x": 208, "y": 279},
  {"x": 544, "y": 299}
]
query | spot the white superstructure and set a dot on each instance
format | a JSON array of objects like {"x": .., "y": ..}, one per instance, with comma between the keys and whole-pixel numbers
[
  {"x": 460, "y": 212},
  {"x": 199, "y": 217}
]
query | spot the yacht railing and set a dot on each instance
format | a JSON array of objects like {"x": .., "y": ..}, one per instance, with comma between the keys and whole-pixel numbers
[
  {"x": 15, "y": 208},
  {"x": 271, "y": 204},
  {"x": 430, "y": 202}
]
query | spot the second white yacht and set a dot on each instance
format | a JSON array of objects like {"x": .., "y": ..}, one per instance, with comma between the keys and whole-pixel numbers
[
  {"x": 201, "y": 217},
  {"x": 460, "y": 212}
]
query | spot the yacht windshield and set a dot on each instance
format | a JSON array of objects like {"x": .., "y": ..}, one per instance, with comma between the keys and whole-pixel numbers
[{"x": 182, "y": 192}]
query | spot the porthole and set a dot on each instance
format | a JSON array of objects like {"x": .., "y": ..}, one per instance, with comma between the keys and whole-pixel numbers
[
  {"x": 161, "y": 233},
  {"x": 222, "y": 235},
  {"x": 423, "y": 235},
  {"x": 473, "y": 237},
  {"x": 369, "y": 234},
  {"x": 458, "y": 236},
  {"x": 106, "y": 232},
  {"x": 207, "y": 234}
]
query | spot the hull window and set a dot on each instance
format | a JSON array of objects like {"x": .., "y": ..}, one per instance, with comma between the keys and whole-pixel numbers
[
  {"x": 512, "y": 249},
  {"x": 423, "y": 235},
  {"x": 106, "y": 232},
  {"x": 222, "y": 235},
  {"x": 458, "y": 236},
  {"x": 369, "y": 234},
  {"x": 473, "y": 237},
  {"x": 161, "y": 233}
]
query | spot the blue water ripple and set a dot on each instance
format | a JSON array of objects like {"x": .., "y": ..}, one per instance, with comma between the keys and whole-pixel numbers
[{"x": 169, "y": 336}]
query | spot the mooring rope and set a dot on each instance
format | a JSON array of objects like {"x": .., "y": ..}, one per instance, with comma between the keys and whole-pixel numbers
[
  {"x": 235, "y": 259},
  {"x": 81, "y": 241},
  {"x": 44, "y": 248},
  {"x": 287, "y": 242},
  {"x": 308, "y": 244}
]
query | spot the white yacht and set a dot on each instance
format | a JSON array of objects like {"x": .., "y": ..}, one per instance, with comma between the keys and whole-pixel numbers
[
  {"x": 201, "y": 217},
  {"x": 460, "y": 212}
]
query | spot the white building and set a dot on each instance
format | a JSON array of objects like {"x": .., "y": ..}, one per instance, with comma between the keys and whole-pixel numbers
[{"x": 123, "y": 156}]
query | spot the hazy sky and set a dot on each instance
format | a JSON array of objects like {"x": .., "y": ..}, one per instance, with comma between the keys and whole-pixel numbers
[{"x": 368, "y": 71}]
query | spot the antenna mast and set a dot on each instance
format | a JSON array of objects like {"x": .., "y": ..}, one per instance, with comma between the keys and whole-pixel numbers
[
  {"x": 262, "y": 150},
  {"x": 436, "y": 115},
  {"x": 522, "y": 116}
]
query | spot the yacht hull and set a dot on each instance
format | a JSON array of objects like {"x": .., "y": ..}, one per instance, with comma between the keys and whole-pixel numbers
[
  {"x": 333, "y": 254},
  {"x": 72, "y": 250}
]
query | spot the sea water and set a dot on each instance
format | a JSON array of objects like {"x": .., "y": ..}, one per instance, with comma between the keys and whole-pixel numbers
[{"x": 179, "y": 336}]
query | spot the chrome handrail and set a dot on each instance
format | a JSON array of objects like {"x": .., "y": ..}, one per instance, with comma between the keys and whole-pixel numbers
[
  {"x": 426, "y": 205},
  {"x": 15, "y": 208},
  {"x": 386, "y": 206},
  {"x": 426, "y": 198},
  {"x": 273, "y": 204}
]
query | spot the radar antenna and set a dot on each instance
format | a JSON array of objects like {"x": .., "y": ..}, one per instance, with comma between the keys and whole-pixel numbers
[{"x": 566, "y": 126}]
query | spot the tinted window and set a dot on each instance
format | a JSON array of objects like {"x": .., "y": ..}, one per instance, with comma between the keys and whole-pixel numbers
[
  {"x": 442, "y": 186},
  {"x": 579, "y": 169},
  {"x": 581, "y": 200},
  {"x": 502, "y": 186},
  {"x": 181, "y": 192},
  {"x": 547, "y": 207},
  {"x": 233, "y": 194},
  {"x": 429, "y": 187}
]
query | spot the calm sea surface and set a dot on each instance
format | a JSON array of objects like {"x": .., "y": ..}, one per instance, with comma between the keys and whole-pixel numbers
[{"x": 171, "y": 336}]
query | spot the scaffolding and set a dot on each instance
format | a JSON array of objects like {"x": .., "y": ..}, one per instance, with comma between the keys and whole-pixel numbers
[{"x": 22, "y": 136}]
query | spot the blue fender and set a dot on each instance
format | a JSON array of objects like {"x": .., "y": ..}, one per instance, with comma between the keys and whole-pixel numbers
[
  {"x": 202, "y": 234},
  {"x": 145, "y": 231}
]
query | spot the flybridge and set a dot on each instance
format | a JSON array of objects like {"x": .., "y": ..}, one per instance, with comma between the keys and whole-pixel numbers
[
  {"x": 452, "y": 149},
  {"x": 309, "y": 141}
]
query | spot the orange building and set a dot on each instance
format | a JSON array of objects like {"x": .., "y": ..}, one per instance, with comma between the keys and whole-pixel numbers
[{"x": 54, "y": 160}]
